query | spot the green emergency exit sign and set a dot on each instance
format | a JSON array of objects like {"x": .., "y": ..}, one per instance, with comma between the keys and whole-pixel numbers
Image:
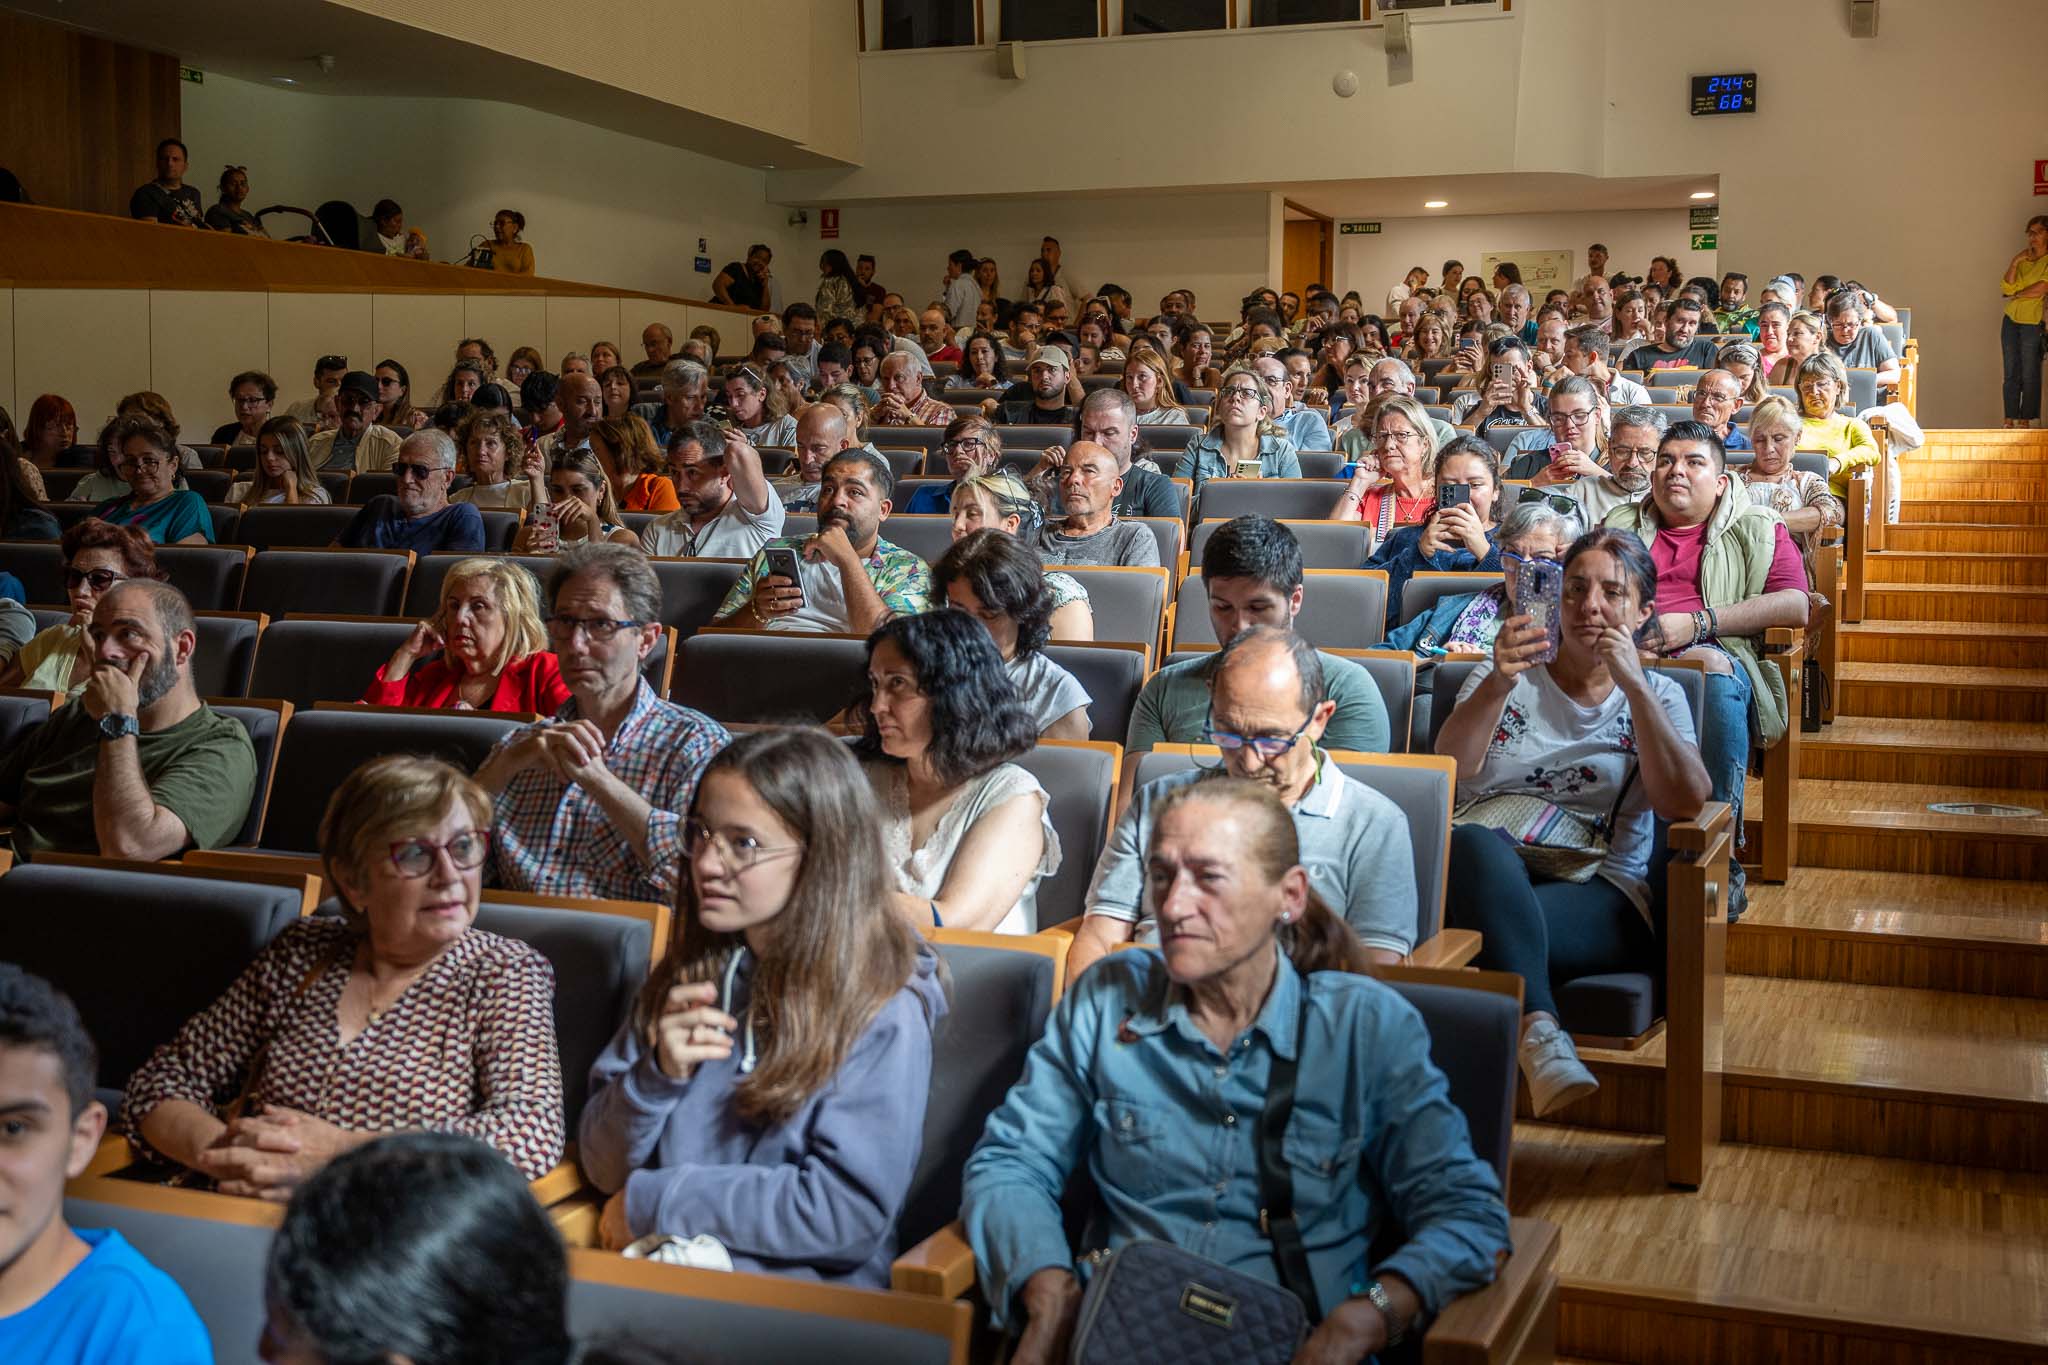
[
  {"x": 1358, "y": 229},
  {"x": 1705, "y": 241}
]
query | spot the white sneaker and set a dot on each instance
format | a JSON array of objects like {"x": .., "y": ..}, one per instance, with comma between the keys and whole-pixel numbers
[{"x": 1551, "y": 1066}]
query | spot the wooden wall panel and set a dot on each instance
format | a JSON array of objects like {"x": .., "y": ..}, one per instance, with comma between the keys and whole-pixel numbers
[
  {"x": 198, "y": 341},
  {"x": 507, "y": 321},
  {"x": 91, "y": 345},
  {"x": 80, "y": 115},
  {"x": 304, "y": 327},
  {"x": 419, "y": 331},
  {"x": 574, "y": 323},
  {"x": 635, "y": 314},
  {"x": 9, "y": 399}
]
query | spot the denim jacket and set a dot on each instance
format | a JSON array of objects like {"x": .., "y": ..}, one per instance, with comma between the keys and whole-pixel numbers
[
  {"x": 1124, "y": 1081},
  {"x": 1203, "y": 460}
]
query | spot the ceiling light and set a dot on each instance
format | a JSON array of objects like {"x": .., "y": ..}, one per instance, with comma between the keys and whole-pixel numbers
[
  {"x": 1703, "y": 194},
  {"x": 1436, "y": 203},
  {"x": 284, "y": 80}
]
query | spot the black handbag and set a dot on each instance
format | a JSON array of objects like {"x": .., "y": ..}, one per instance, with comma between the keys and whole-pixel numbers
[{"x": 1153, "y": 1302}]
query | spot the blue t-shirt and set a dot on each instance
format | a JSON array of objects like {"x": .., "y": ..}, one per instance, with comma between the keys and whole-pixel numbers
[
  {"x": 10, "y": 587},
  {"x": 114, "y": 1306},
  {"x": 932, "y": 497},
  {"x": 166, "y": 521},
  {"x": 381, "y": 526}
]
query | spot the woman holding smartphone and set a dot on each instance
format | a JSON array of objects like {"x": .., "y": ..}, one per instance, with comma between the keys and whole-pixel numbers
[
  {"x": 1397, "y": 488},
  {"x": 763, "y": 1108},
  {"x": 1577, "y": 722},
  {"x": 1457, "y": 536}
]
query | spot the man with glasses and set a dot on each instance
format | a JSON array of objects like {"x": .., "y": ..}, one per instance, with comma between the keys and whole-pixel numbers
[
  {"x": 1286, "y": 374},
  {"x": 357, "y": 443},
  {"x": 726, "y": 508},
  {"x": 418, "y": 517},
  {"x": 1858, "y": 346},
  {"x": 1567, "y": 446},
  {"x": 1266, "y": 710},
  {"x": 590, "y": 802},
  {"x": 1625, "y": 478},
  {"x": 849, "y": 579},
  {"x": 659, "y": 342},
  {"x": 1587, "y": 351},
  {"x": 327, "y": 373},
  {"x": 1715, "y": 401},
  {"x": 970, "y": 448},
  {"x": 252, "y": 392},
  {"x": 138, "y": 767}
]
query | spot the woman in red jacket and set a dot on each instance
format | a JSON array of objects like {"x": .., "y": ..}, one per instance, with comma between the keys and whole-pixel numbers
[{"x": 492, "y": 651}]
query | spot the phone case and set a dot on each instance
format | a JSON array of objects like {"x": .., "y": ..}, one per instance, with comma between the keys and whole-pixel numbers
[{"x": 1539, "y": 595}]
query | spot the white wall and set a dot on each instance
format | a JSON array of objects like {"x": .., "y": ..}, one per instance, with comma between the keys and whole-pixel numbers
[
  {"x": 600, "y": 206},
  {"x": 1214, "y": 244},
  {"x": 1374, "y": 264}
]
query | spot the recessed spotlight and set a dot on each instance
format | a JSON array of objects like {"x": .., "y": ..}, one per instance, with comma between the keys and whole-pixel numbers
[
  {"x": 1436, "y": 203},
  {"x": 767, "y": 165},
  {"x": 1703, "y": 194},
  {"x": 284, "y": 80}
]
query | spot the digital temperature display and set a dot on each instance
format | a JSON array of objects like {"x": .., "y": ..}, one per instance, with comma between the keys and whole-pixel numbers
[{"x": 1724, "y": 94}]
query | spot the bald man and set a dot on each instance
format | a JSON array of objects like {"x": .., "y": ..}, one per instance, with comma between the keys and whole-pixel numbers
[
  {"x": 582, "y": 405},
  {"x": 1091, "y": 532},
  {"x": 821, "y": 433},
  {"x": 660, "y": 343}
]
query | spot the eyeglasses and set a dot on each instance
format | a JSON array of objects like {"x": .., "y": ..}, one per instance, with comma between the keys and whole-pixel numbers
[
  {"x": 1633, "y": 454},
  {"x": 1557, "y": 502},
  {"x": 1571, "y": 419},
  {"x": 251, "y": 400},
  {"x": 972, "y": 445},
  {"x": 415, "y": 857},
  {"x": 1719, "y": 400},
  {"x": 151, "y": 461},
  {"x": 101, "y": 579},
  {"x": 739, "y": 854},
  {"x": 1401, "y": 436},
  {"x": 1265, "y": 746},
  {"x": 1240, "y": 392},
  {"x": 406, "y": 470},
  {"x": 594, "y": 628}
]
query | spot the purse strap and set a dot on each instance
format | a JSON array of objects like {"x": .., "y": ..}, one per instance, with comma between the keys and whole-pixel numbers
[
  {"x": 1276, "y": 1186},
  {"x": 346, "y": 947}
]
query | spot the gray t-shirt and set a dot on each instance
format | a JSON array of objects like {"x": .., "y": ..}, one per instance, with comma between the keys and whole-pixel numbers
[
  {"x": 1049, "y": 691},
  {"x": 1868, "y": 351},
  {"x": 1354, "y": 842},
  {"x": 1120, "y": 542}
]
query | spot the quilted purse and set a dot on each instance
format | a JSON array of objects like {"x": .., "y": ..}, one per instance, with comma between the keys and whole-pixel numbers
[
  {"x": 1553, "y": 841},
  {"x": 1151, "y": 1303}
]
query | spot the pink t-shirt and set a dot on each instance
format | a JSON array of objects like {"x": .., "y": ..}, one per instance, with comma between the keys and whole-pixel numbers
[{"x": 1676, "y": 553}]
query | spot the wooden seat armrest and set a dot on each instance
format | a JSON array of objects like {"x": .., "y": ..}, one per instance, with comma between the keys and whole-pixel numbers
[
  {"x": 1693, "y": 837},
  {"x": 1512, "y": 1319},
  {"x": 561, "y": 1182},
  {"x": 577, "y": 1218},
  {"x": 940, "y": 1267},
  {"x": 113, "y": 1154},
  {"x": 1778, "y": 639},
  {"x": 1832, "y": 535},
  {"x": 1446, "y": 948},
  {"x": 1066, "y": 928}
]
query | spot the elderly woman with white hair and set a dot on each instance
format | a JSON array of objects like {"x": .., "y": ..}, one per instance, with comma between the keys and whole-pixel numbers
[
  {"x": 1468, "y": 622},
  {"x": 1800, "y": 497},
  {"x": 484, "y": 648}
]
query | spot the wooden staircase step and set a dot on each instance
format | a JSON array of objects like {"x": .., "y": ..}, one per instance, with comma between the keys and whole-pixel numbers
[
  {"x": 1785, "y": 1256},
  {"x": 1963, "y": 934},
  {"x": 1954, "y": 753},
  {"x": 1948, "y": 602},
  {"x": 1982, "y": 537},
  {"x": 1870, "y": 1070},
  {"x": 1932, "y": 692},
  {"x": 1970, "y": 567},
  {"x": 1949, "y": 446},
  {"x": 1979, "y": 511},
  {"x": 1951, "y": 644},
  {"x": 1889, "y": 827},
  {"x": 1981, "y": 481}
]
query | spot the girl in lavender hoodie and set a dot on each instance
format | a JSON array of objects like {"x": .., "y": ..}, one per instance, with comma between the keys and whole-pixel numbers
[{"x": 769, "y": 1090}]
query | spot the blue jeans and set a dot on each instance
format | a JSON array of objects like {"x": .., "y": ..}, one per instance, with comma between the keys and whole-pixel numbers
[
  {"x": 2021, "y": 344},
  {"x": 1724, "y": 738}
]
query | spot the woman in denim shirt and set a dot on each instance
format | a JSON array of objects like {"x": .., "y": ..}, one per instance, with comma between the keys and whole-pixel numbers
[
  {"x": 1239, "y": 430},
  {"x": 1153, "y": 1073}
]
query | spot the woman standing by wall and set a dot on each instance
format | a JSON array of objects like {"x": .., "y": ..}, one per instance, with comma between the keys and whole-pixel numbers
[{"x": 2026, "y": 282}]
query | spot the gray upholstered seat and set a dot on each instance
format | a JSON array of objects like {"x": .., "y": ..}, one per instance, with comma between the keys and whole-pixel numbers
[
  {"x": 310, "y": 582},
  {"x": 1340, "y": 609}
]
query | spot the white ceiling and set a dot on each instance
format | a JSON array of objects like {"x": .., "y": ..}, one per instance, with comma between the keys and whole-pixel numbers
[{"x": 1493, "y": 194}]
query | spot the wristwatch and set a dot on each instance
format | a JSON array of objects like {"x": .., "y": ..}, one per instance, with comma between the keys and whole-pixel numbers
[
  {"x": 1397, "y": 1330},
  {"x": 114, "y": 725}
]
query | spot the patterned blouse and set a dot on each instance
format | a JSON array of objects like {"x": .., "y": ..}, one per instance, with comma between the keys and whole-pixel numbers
[{"x": 469, "y": 1048}]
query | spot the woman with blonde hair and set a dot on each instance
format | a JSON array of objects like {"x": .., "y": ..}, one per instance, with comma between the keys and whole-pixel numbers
[
  {"x": 1432, "y": 339},
  {"x": 1240, "y": 432},
  {"x": 576, "y": 503},
  {"x": 764, "y": 1104},
  {"x": 633, "y": 463},
  {"x": 1845, "y": 439},
  {"x": 284, "y": 471},
  {"x": 502, "y": 468},
  {"x": 483, "y": 650},
  {"x": 998, "y": 501},
  {"x": 1150, "y": 386},
  {"x": 1402, "y": 490},
  {"x": 1804, "y": 333},
  {"x": 1800, "y": 497}
]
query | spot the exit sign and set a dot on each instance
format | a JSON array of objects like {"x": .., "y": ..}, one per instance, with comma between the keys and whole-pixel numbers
[
  {"x": 192, "y": 74},
  {"x": 1358, "y": 229},
  {"x": 1705, "y": 241}
]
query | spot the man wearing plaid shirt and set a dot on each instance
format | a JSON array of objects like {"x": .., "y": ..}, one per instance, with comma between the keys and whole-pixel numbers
[
  {"x": 849, "y": 578},
  {"x": 591, "y": 801}
]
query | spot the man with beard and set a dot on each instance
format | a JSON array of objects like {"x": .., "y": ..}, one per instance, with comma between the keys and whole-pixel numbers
[
  {"x": 581, "y": 401},
  {"x": 1631, "y": 454},
  {"x": 1267, "y": 713},
  {"x": 727, "y": 510},
  {"x": 1041, "y": 400},
  {"x": 139, "y": 767},
  {"x": 418, "y": 517},
  {"x": 849, "y": 579}
]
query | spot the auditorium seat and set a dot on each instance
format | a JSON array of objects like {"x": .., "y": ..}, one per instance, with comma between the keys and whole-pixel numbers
[
  {"x": 265, "y": 722},
  {"x": 1340, "y": 609},
  {"x": 1323, "y": 464},
  {"x": 1080, "y": 778},
  {"x": 216, "y": 1249},
  {"x": 39, "y": 564},
  {"x": 1127, "y": 603},
  {"x": 1392, "y": 671},
  {"x": 21, "y": 712},
  {"x": 224, "y": 651},
  {"x": 58, "y": 483},
  {"x": 1112, "y": 674},
  {"x": 693, "y": 589},
  {"x": 1281, "y": 499},
  {"x": 210, "y": 576},
  {"x": 69, "y": 514},
  {"x": 323, "y": 745},
  {"x": 139, "y": 951},
  {"x": 1500, "y": 436},
  {"x": 309, "y": 582},
  {"x": 310, "y": 525},
  {"x": 1166, "y": 436},
  {"x": 1324, "y": 544},
  {"x": 374, "y": 484},
  {"x": 906, "y": 488},
  {"x": 227, "y": 522},
  {"x": 210, "y": 484},
  {"x": 308, "y": 659},
  {"x": 768, "y": 678},
  {"x": 1033, "y": 437},
  {"x": 1425, "y": 588},
  {"x": 927, "y": 536}
]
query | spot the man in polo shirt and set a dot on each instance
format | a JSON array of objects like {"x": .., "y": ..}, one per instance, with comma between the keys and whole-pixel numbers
[
  {"x": 357, "y": 443},
  {"x": 1267, "y": 710},
  {"x": 1041, "y": 400},
  {"x": 727, "y": 510},
  {"x": 1252, "y": 572},
  {"x": 418, "y": 516},
  {"x": 1715, "y": 401},
  {"x": 138, "y": 767},
  {"x": 848, "y": 578},
  {"x": 1091, "y": 533}
]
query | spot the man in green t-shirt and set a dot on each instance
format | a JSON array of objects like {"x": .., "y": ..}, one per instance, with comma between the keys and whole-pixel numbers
[
  {"x": 137, "y": 766},
  {"x": 1252, "y": 572}
]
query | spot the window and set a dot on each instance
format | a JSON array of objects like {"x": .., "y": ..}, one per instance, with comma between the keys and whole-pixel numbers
[
  {"x": 927, "y": 23},
  {"x": 1269, "y": 13},
  {"x": 1174, "y": 16},
  {"x": 1039, "y": 21}
]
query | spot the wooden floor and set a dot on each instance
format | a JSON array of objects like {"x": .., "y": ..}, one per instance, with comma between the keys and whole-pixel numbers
[{"x": 1881, "y": 1194}]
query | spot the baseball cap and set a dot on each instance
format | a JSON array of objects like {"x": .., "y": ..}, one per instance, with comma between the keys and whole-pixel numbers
[
  {"x": 1055, "y": 356},
  {"x": 361, "y": 383}
]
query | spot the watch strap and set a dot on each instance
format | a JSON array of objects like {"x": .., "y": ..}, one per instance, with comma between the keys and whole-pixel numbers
[{"x": 1397, "y": 1330}]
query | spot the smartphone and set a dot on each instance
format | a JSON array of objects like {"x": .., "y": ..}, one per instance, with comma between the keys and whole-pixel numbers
[
  {"x": 782, "y": 561},
  {"x": 1245, "y": 469},
  {"x": 1539, "y": 595},
  {"x": 1503, "y": 373},
  {"x": 1449, "y": 495}
]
